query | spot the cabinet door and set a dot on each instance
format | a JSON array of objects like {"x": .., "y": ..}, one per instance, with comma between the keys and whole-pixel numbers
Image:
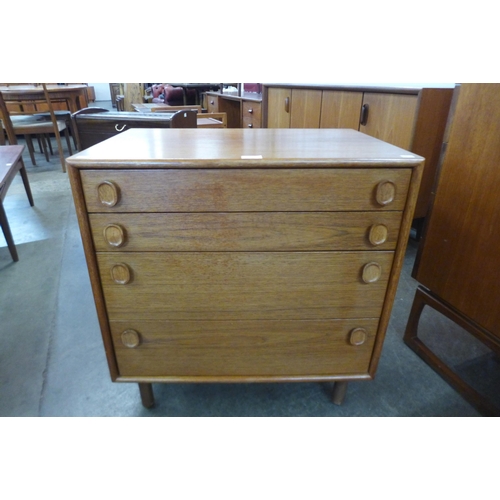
[
  {"x": 389, "y": 117},
  {"x": 340, "y": 109},
  {"x": 305, "y": 108},
  {"x": 278, "y": 115}
]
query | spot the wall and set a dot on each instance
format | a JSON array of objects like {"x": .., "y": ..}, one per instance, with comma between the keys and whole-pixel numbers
[{"x": 102, "y": 92}]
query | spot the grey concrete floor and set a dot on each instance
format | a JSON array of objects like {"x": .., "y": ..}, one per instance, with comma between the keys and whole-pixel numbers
[{"x": 52, "y": 360}]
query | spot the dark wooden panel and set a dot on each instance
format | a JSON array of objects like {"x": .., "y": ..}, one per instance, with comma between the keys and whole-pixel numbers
[{"x": 459, "y": 259}]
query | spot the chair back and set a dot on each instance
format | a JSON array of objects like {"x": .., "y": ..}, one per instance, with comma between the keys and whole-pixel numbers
[{"x": 28, "y": 102}]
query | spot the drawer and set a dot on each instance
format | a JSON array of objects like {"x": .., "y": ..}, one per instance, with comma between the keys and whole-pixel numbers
[
  {"x": 240, "y": 285},
  {"x": 243, "y": 348},
  {"x": 245, "y": 190},
  {"x": 251, "y": 113},
  {"x": 212, "y": 104},
  {"x": 250, "y": 231}
]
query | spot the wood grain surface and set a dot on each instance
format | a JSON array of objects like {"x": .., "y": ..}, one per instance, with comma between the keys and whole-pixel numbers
[
  {"x": 243, "y": 348},
  {"x": 223, "y": 285},
  {"x": 253, "y": 231},
  {"x": 459, "y": 257},
  {"x": 245, "y": 190}
]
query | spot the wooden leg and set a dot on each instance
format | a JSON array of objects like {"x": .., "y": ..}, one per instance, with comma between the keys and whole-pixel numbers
[
  {"x": 339, "y": 391},
  {"x": 26, "y": 183},
  {"x": 425, "y": 298},
  {"x": 44, "y": 146},
  {"x": 8, "y": 235},
  {"x": 49, "y": 143},
  {"x": 29, "y": 143},
  {"x": 147, "y": 396},
  {"x": 68, "y": 142}
]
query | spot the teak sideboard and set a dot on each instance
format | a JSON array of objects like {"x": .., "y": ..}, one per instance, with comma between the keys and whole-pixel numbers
[
  {"x": 236, "y": 255},
  {"x": 458, "y": 259}
]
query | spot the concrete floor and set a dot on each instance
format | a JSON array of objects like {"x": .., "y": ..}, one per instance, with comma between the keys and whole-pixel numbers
[{"x": 52, "y": 360}]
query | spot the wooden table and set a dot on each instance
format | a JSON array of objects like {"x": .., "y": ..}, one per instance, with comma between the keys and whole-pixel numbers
[
  {"x": 74, "y": 95},
  {"x": 11, "y": 162},
  {"x": 237, "y": 255}
]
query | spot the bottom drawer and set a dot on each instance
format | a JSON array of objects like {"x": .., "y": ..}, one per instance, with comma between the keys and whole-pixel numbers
[{"x": 243, "y": 348}]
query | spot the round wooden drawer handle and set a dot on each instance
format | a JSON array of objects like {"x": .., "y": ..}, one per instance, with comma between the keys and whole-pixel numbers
[
  {"x": 377, "y": 234},
  {"x": 114, "y": 235},
  {"x": 385, "y": 193},
  {"x": 250, "y": 110},
  {"x": 371, "y": 272},
  {"x": 357, "y": 336},
  {"x": 130, "y": 338},
  {"x": 108, "y": 193},
  {"x": 121, "y": 274}
]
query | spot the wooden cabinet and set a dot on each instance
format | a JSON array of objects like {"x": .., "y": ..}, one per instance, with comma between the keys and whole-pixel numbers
[
  {"x": 242, "y": 111},
  {"x": 458, "y": 259},
  {"x": 389, "y": 117},
  {"x": 340, "y": 109},
  {"x": 294, "y": 108},
  {"x": 278, "y": 108},
  {"x": 251, "y": 114},
  {"x": 244, "y": 255},
  {"x": 410, "y": 118}
]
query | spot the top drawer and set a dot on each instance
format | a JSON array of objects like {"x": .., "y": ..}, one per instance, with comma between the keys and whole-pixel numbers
[{"x": 245, "y": 190}]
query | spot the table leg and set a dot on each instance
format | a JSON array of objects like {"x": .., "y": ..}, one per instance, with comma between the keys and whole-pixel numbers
[
  {"x": 26, "y": 183},
  {"x": 8, "y": 235}
]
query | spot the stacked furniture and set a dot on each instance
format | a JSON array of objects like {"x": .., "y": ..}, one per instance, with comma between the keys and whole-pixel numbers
[{"x": 236, "y": 255}]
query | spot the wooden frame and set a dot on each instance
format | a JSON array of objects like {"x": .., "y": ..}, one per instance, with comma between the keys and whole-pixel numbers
[{"x": 424, "y": 297}]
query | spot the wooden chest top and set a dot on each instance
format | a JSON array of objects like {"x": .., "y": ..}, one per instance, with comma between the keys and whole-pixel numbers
[{"x": 226, "y": 148}]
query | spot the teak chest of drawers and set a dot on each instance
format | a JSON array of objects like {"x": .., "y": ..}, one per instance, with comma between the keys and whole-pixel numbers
[{"x": 234, "y": 255}]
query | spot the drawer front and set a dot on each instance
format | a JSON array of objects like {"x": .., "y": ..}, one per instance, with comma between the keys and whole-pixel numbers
[
  {"x": 251, "y": 112},
  {"x": 245, "y": 190},
  {"x": 212, "y": 104},
  {"x": 243, "y": 348},
  {"x": 238, "y": 285},
  {"x": 264, "y": 231}
]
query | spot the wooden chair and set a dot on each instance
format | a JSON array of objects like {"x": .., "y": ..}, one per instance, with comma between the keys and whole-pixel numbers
[{"x": 21, "y": 121}]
